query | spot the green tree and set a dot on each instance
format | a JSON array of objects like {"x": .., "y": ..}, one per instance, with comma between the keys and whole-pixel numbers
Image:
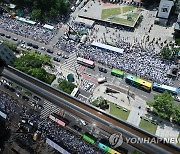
[
  {"x": 166, "y": 53},
  {"x": 53, "y": 12},
  {"x": 36, "y": 14},
  {"x": 163, "y": 105},
  {"x": 32, "y": 64},
  {"x": 66, "y": 86}
]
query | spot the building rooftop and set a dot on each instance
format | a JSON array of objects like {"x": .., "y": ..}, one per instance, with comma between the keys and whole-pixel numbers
[{"x": 165, "y": 9}]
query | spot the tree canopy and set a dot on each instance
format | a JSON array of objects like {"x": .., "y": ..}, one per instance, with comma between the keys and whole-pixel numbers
[
  {"x": 43, "y": 9},
  {"x": 32, "y": 64},
  {"x": 65, "y": 86},
  {"x": 163, "y": 106}
]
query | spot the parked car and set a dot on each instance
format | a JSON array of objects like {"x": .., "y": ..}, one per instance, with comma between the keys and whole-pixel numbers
[
  {"x": 50, "y": 51},
  {"x": 8, "y": 36},
  {"x": 14, "y": 39},
  {"x": 2, "y": 34},
  {"x": 177, "y": 98},
  {"x": 35, "y": 46},
  {"x": 101, "y": 69},
  {"x": 29, "y": 44},
  {"x": 25, "y": 98},
  {"x": 57, "y": 59},
  {"x": 36, "y": 98}
]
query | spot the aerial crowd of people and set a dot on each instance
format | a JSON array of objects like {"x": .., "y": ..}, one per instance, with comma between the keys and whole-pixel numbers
[
  {"x": 73, "y": 144},
  {"x": 35, "y": 32},
  {"x": 7, "y": 104},
  {"x": 136, "y": 59}
]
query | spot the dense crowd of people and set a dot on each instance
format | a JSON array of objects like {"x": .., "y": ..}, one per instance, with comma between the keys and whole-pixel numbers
[
  {"x": 7, "y": 104},
  {"x": 67, "y": 139},
  {"x": 29, "y": 114},
  {"x": 35, "y": 32},
  {"x": 136, "y": 59}
]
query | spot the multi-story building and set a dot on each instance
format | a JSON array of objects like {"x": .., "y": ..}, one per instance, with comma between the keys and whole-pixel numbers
[
  {"x": 164, "y": 11},
  {"x": 6, "y": 55}
]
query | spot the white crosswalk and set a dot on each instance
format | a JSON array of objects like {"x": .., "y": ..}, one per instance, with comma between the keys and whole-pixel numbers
[
  {"x": 71, "y": 63},
  {"x": 48, "y": 109}
]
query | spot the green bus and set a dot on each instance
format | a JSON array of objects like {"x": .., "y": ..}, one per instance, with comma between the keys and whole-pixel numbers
[
  {"x": 117, "y": 73},
  {"x": 88, "y": 137}
]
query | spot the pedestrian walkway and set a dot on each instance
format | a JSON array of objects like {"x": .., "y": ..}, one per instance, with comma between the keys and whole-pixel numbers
[
  {"x": 48, "y": 109},
  {"x": 134, "y": 116},
  {"x": 71, "y": 63}
]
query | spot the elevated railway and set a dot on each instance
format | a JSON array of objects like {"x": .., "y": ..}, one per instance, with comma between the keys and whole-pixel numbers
[{"x": 89, "y": 113}]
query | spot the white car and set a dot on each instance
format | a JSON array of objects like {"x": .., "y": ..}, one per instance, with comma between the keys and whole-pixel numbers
[
  {"x": 3, "y": 81},
  {"x": 177, "y": 98},
  {"x": 43, "y": 48}
]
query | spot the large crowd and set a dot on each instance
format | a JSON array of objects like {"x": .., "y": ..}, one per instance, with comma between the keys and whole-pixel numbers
[
  {"x": 136, "y": 59},
  {"x": 7, "y": 104},
  {"x": 35, "y": 32},
  {"x": 67, "y": 139}
]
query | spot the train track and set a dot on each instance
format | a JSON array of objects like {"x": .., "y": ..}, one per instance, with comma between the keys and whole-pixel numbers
[{"x": 15, "y": 76}]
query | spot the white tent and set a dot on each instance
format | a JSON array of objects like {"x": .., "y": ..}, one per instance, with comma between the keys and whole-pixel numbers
[
  {"x": 48, "y": 27},
  {"x": 107, "y": 47}
]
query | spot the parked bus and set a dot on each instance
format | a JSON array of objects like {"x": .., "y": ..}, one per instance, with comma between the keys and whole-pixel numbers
[
  {"x": 85, "y": 62},
  {"x": 58, "y": 119},
  {"x": 106, "y": 148},
  {"x": 162, "y": 88},
  {"x": 138, "y": 82},
  {"x": 117, "y": 73},
  {"x": 88, "y": 137}
]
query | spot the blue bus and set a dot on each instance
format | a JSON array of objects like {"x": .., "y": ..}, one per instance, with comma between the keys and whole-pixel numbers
[{"x": 162, "y": 88}]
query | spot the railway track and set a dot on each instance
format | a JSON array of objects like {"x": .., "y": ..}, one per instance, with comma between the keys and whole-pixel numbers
[{"x": 100, "y": 118}]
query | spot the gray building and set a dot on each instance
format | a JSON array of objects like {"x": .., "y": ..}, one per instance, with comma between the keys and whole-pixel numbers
[
  {"x": 177, "y": 25},
  {"x": 6, "y": 55},
  {"x": 164, "y": 10}
]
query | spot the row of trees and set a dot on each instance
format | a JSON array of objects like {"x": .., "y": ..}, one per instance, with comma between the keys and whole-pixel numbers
[
  {"x": 32, "y": 64},
  {"x": 43, "y": 9},
  {"x": 163, "y": 106}
]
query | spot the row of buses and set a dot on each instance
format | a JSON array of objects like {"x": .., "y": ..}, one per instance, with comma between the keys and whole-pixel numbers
[
  {"x": 101, "y": 144},
  {"x": 133, "y": 80},
  {"x": 87, "y": 137}
]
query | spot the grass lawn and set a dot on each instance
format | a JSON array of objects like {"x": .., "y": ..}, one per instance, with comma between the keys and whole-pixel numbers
[
  {"x": 128, "y": 8},
  {"x": 123, "y": 21},
  {"x": 118, "y": 112},
  {"x": 134, "y": 15},
  {"x": 115, "y": 11},
  {"x": 148, "y": 126}
]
